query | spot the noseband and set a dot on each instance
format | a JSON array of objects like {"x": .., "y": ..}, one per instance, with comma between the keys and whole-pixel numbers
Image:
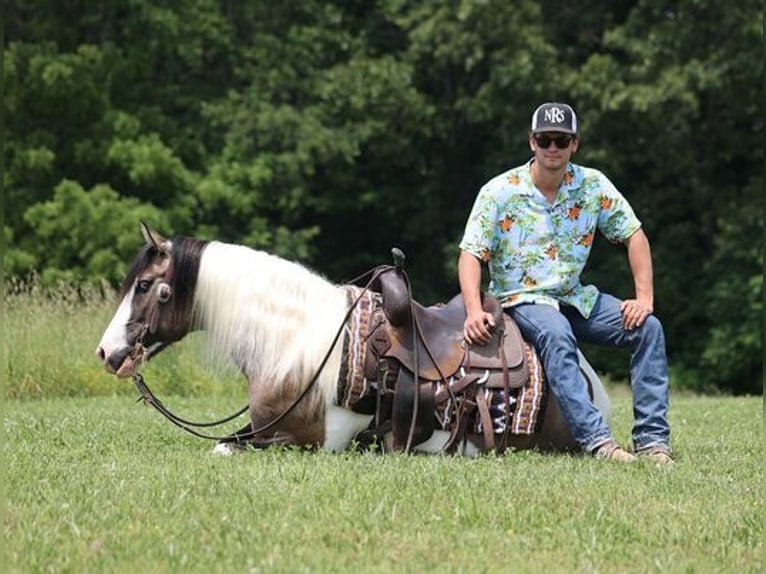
[{"x": 142, "y": 352}]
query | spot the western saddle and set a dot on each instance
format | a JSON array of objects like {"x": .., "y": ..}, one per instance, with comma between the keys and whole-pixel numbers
[{"x": 422, "y": 346}]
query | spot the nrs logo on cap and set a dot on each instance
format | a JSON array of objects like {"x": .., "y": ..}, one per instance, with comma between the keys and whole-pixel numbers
[{"x": 554, "y": 117}]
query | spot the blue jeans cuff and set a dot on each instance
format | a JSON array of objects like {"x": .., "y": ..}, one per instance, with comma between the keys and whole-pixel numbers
[
  {"x": 652, "y": 445},
  {"x": 595, "y": 443}
]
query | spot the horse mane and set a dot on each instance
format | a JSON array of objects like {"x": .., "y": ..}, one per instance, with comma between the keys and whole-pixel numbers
[
  {"x": 186, "y": 255},
  {"x": 273, "y": 317}
]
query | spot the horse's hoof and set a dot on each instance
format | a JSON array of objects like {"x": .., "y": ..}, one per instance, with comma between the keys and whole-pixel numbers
[{"x": 227, "y": 449}]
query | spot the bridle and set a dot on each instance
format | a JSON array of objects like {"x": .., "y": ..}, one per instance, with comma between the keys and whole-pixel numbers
[{"x": 149, "y": 398}]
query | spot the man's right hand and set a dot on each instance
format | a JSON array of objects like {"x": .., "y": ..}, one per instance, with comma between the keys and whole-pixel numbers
[
  {"x": 477, "y": 328},
  {"x": 478, "y": 323}
]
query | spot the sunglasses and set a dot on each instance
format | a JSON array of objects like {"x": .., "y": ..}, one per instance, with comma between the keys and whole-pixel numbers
[{"x": 561, "y": 142}]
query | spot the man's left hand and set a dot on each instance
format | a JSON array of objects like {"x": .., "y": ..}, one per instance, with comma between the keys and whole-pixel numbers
[{"x": 634, "y": 313}]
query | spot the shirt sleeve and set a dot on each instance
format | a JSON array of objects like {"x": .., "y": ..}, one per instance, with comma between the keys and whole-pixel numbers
[
  {"x": 616, "y": 219},
  {"x": 479, "y": 234}
]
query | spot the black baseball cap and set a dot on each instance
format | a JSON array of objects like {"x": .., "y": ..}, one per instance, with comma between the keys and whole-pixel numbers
[{"x": 554, "y": 117}]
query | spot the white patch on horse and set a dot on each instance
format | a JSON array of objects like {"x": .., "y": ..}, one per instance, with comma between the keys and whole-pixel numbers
[
  {"x": 341, "y": 425},
  {"x": 227, "y": 449},
  {"x": 116, "y": 335},
  {"x": 438, "y": 441}
]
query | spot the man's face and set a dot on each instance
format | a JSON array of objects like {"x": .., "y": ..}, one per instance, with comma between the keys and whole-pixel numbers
[{"x": 553, "y": 149}]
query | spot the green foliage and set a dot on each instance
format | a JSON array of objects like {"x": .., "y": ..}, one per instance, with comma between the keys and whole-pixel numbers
[
  {"x": 734, "y": 348},
  {"x": 304, "y": 128},
  {"x": 84, "y": 235}
]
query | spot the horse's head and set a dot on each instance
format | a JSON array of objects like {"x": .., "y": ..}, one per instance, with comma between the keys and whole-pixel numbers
[{"x": 157, "y": 302}]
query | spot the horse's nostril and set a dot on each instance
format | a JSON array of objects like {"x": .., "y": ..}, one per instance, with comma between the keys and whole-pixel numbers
[{"x": 101, "y": 354}]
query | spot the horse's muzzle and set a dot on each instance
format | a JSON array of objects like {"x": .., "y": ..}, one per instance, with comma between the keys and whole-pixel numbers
[{"x": 121, "y": 362}]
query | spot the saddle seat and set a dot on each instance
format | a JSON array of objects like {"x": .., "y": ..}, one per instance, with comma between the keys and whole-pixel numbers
[{"x": 437, "y": 335}]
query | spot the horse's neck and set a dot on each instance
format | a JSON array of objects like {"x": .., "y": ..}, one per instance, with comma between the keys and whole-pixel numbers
[{"x": 262, "y": 309}]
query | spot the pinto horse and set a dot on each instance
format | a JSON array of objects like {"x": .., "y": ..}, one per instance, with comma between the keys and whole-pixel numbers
[{"x": 281, "y": 324}]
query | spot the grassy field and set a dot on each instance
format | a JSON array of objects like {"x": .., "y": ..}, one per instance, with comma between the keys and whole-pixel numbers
[
  {"x": 97, "y": 483},
  {"x": 105, "y": 485}
]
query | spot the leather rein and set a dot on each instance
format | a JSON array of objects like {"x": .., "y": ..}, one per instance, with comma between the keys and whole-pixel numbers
[{"x": 149, "y": 398}]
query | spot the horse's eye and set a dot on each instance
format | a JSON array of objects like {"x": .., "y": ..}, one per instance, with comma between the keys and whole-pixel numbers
[{"x": 143, "y": 286}]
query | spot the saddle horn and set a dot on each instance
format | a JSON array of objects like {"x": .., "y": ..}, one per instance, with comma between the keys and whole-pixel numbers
[{"x": 399, "y": 257}]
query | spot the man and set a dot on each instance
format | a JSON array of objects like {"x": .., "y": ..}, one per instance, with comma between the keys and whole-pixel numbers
[{"x": 534, "y": 226}]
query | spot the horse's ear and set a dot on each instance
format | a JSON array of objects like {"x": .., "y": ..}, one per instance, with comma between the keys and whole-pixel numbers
[{"x": 154, "y": 238}]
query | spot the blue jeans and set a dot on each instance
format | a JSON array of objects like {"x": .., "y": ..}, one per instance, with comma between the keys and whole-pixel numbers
[{"x": 555, "y": 335}]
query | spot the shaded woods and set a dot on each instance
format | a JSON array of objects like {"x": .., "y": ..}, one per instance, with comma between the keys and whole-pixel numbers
[{"x": 328, "y": 132}]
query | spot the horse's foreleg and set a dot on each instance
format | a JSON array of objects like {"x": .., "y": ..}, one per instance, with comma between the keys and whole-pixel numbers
[
  {"x": 235, "y": 437},
  {"x": 244, "y": 438},
  {"x": 233, "y": 443},
  {"x": 241, "y": 441}
]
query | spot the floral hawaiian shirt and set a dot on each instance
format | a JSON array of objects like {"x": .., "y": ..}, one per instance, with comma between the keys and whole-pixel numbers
[{"x": 536, "y": 250}]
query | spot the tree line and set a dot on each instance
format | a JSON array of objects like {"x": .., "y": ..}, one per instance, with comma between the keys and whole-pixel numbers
[{"x": 329, "y": 132}]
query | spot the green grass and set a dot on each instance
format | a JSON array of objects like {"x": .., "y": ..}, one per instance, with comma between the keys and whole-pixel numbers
[
  {"x": 97, "y": 483},
  {"x": 50, "y": 339},
  {"x": 105, "y": 485}
]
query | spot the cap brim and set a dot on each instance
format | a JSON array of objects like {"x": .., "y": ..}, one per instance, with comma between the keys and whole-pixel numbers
[{"x": 552, "y": 129}]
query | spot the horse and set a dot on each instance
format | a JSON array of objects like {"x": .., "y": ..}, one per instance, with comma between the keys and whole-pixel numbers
[{"x": 332, "y": 366}]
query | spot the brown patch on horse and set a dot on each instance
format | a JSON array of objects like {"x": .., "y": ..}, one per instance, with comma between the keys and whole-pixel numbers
[{"x": 304, "y": 423}]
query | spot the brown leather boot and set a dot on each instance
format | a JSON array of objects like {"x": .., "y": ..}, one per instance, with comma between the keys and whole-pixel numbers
[
  {"x": 610, "y": 450},
  {"x": 659, "y": 454}
]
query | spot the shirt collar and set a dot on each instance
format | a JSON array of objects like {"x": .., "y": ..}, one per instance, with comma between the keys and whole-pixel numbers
[{"x": 566, "y": 185}]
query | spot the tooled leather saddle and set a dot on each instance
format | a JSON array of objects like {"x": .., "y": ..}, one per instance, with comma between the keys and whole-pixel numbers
[{"x": 422, "y": 346}]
